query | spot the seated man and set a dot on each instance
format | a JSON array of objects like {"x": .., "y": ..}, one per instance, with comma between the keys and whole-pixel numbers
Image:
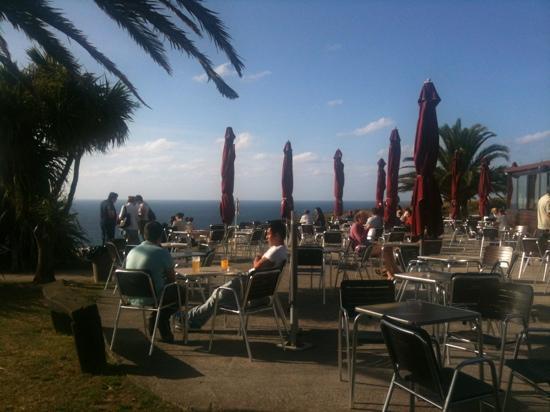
[
  {"x": 149, "y": 256},
  {"x": 274, "y": 257},
  {"x": 374, "y": 223}
]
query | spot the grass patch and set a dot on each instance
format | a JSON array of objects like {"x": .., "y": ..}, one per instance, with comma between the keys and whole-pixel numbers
[{"x": 39, "y": 369}]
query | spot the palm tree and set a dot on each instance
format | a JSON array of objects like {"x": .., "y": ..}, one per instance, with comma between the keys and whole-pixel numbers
[
  {"x": 471, "y": 142},
  {"x": 49, "y": 117},
  {"x": 144, "y": 20}
]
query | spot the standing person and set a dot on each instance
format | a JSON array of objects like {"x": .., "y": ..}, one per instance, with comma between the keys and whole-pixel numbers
[
  {"x": 145, "y": 214},
  {"x": 152, "y": 258},
  {"x": 319, "y": 218},
  {"x": 108, "y": 218},
  {"x": 543, "y": 215},
  {"x": 274, "y": 257},
  {"x": 128, "y": 221},
  {"x": 306, "y": 218}
]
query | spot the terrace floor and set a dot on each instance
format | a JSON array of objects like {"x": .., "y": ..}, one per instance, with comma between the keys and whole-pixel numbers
[{"x": 190, "y": 377}]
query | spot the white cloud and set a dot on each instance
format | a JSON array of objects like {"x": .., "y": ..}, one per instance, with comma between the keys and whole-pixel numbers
[
  {"x": 256, "y": 76},
  {"x": 304, "y": 157},
  {"x": 382, "y": 152},
  {"x": 335, "y": 102},
  {"x": 382, "y": 123},
  {"x": 528, "y": 138},
  {"x": 259, "y": 156},
  {"x": 243, "y": 140},
  {"x": 332, "y": 47},
  {"x": 223, "y": 70}
]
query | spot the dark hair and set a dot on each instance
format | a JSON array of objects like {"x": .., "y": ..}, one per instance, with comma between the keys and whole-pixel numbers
[
  {"x": 180, "y": 215},
  {"x": 139, "y": 198},
  {"x": 306, "y": 211},
  {"x": 113, "y": 195},
  {"x": 278, "y": 228},
  {"x": 153, "y": 231}
]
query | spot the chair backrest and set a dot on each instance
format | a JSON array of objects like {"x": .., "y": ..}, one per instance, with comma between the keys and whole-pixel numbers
[
  {"x": 504, "y": 299},
  {"x": 113, "y": 253},
  {"x": 406, "y": 253},
  {"x": 411, "y": 352},
  {"x": 490, "y": 233},
  {"x": 229, "y": 233},
  {"x": 492, "y": 254},
  {"x": 217, "y": 226},
  {"x": 378, "y": 233},
  {"x": 430, "y": 247},
  {"x": 530, "y": 247},
  {"x": 396, "y": 236},
  {"x": 309, "y": 256},
  {"x": 216, "y": 235},
  {"x": 332, "y": 237},
  {"x": 135, "y": 284},
  {"x": 261, "y": 284},
  {"x": 467, "y": 289},
  {"x": 520, "y": 231},
  {"x": 257, "y": 236},
  {"x": 365, "y": 292},
  {"x": 307, "y": 229},
  {"x": 208, "y": 258},
  {"x": 399, "y": 229}
]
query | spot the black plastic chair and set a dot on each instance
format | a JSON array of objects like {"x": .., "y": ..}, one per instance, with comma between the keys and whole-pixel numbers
[
  {"x": 311, "y": 261},
  {"x": 332, "y": 238},
  {"x": 418, "y": 370},
  {"x": 501, "y": 302},
  {"x": 489, "y": 236},
  {"x": 259, "y": 296},
  {"x": 137, "y": 286},
  {"x": 357, "y": 293},
  {"x": 407, "y": 256},
  {"x": 396, "y": 236},
  {"x": 535, "y": 371},
  {"x": 430, "y": 247},
  {"x": 499, "y": 259}
]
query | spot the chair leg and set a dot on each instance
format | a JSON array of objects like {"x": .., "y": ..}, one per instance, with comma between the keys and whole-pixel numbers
[
  {"x": 213, "y": 325},
  {"x": 116, "y": 326},
  {"x": 276, "y": 317},
  {"x": 502, "y": 347},
  {"x": 279, "y": 305},
  {"x": 389, "y": 394},
  {"x": 154, "y": 332},
  {"x": 111, "y": 271},
  {"x": 339, "y": 347},
  {"x": 508, "y": 390},
  {"x": 245, "y": 336},
  {"x": 521, "y": 263}
]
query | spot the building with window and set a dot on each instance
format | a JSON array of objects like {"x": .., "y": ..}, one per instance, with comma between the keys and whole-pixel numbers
[{"x": 528, "y": 183}]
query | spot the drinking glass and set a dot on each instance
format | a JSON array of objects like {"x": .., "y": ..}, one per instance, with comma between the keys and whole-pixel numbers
[
  {"x": 196, "y": 264},
  {"x": 224, "y": 263}
]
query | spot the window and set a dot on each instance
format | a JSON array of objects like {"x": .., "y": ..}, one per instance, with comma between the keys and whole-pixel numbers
[
  {"x": 522, "y": 192},
  {"x": 531, "y": 191},
  {"x": 514, "y": 199}
]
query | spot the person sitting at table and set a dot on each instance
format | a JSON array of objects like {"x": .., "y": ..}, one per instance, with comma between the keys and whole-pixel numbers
[
  {"x": 358, "y": 235},
  {"x": 374, "y": 223},
  {"x": 149, "y": 256},
  {"x": 274, "y": 257},
  {"x": 178, "y": 224},
  {"x": 319, "y": 218},
  {"x": 306, "y": 218}
]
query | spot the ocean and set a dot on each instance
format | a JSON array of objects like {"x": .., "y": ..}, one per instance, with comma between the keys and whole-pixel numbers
[{"x": 204, "y": 212}]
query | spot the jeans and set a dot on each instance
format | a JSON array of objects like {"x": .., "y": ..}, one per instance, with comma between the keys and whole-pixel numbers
[{"x": 199, "y": 315}]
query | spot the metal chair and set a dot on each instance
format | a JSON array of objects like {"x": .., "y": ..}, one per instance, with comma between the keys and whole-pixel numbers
[
  {"x": 531, "y": 250},
  {"x": 256, "y": 241},
  {"x": 501, "y": 302},
  {"x": 332, "y": 238},
  {"x": 534, "y": 371},
  {"x": 499, "y": 259},
  {"x": 396, "y": 236},
  {"x": 417, "y": 370},
  {"x": 307, "y": 234},
  {"x": 137, "y": 292},
  {"x": 430, "y": 247},
  {"x": 356, "y": 293},
  {"x": 259, "y": 296},
  {"x": 489, "y": 236},
  {"x": 116, "y": 259},
  {"x": 311, "y": 261},
  {"x": 406, "y": 257}
]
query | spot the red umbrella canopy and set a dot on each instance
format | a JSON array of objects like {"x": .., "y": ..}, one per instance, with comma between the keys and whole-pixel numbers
[
  {"x": 392, "y": 182},
  {"x": 426, "y": 199},
  {"x": 509, "y": 187},
  {"x": 227, "y": 205},
  {"x": 484, "y": 187},
  {"x": 338, "y": 183},
  {"x": 380, "y": 183},
  {"x": 456, "y": 175},
  {"x": 287, "y": 204}
]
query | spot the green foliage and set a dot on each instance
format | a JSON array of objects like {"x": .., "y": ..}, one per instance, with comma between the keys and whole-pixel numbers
[
  {"x": 472, "y": 143},
  {"x": 50, "y": 117}
]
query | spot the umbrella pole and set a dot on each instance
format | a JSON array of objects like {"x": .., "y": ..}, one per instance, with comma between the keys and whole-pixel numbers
[{"x": 293, "y": 343}]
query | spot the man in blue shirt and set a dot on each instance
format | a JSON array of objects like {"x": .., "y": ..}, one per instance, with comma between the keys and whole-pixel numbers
[{"x": 149, "y": 256}]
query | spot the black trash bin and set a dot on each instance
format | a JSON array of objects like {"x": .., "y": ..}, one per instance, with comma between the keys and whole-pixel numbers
[{"x": 101, "y": 263}]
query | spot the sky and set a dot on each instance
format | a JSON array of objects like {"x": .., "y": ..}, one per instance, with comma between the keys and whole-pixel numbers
[{"x": 325, "y": 75}]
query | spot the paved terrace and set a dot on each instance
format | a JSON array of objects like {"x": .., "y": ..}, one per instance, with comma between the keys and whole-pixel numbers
[{"x": 190, "y": 377}]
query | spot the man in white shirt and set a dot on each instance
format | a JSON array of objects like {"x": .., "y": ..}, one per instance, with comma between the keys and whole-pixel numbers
[
  {"x": 306, "y": 218},
  {"x": 543, "y": 214},
  {"x": 274, "y": 257}
]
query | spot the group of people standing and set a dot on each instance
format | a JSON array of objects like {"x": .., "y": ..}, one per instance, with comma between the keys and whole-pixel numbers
[
  {"x": 132, "y": 218},
  {"x": 317, "y": 219}
]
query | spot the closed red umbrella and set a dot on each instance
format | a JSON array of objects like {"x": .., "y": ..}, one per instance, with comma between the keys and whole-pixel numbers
[
  {"x": 456, "y": 175},
  {"x": 426, "y": 199},
  {"x": 484, "y": 187},
  {"x": 392, "y": 181},
  {"x": 287, "y": 204},
  {"x": 338, "y": 183},
  {"x": 227, "y": 205},
  {"x": 380, "y": 183}
]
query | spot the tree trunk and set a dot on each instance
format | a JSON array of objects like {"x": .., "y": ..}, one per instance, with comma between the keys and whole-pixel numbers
[
  {"x": 45, "y": 272},
  {"x": 74, "y": 183}
]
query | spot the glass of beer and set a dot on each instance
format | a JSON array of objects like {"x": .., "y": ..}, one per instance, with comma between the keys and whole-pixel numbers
[
  {"x": 224, "y": 263},
  {"x": 196, "y": 264}
]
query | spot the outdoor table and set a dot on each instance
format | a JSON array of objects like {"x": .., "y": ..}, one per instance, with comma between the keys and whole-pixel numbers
[
  {"x": 439, "y": 281},
  {"x": 447, "y": 262},
  {"x": 412, "y": 312},
  {"x": 187, "y": 254},
  {"x": 206, "y": 273}
]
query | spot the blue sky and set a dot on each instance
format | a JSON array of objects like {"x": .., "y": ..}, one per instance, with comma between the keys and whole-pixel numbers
[{"x": 324, "y": 75}]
